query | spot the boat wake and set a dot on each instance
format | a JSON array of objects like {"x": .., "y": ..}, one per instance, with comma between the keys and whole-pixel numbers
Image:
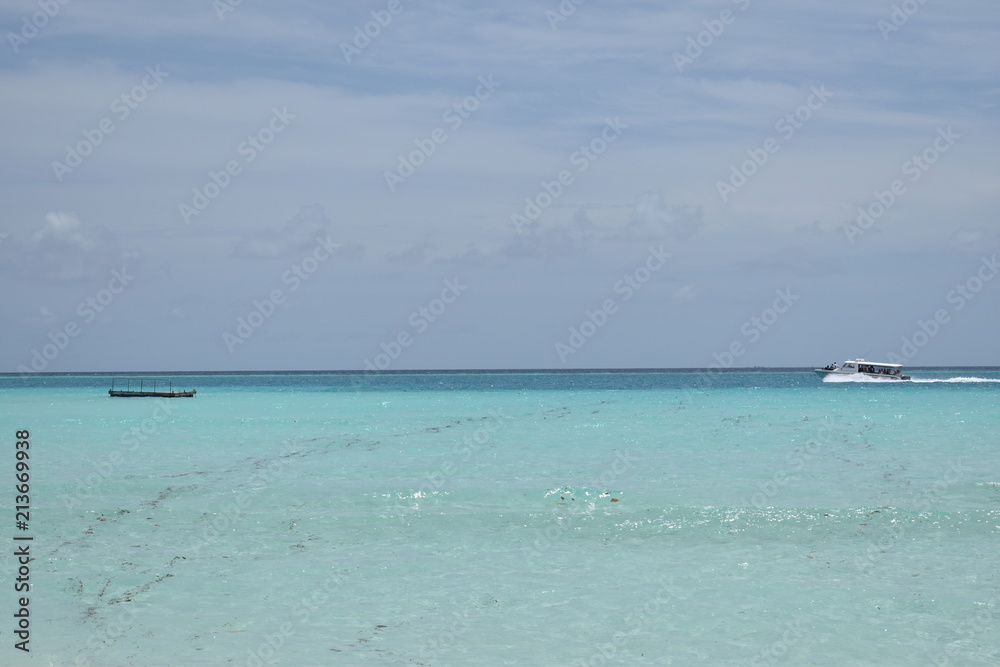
[
  {"x": 869, "y": 379},
  {"x": 958, "y": 380},
  {"x": 859, "y": 377}
]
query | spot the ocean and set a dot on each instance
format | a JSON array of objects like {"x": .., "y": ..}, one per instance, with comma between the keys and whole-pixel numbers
[{"x": 750, "y": 517}]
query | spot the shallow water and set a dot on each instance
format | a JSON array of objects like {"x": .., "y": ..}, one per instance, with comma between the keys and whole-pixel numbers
[{"x": 680, "y": 518}]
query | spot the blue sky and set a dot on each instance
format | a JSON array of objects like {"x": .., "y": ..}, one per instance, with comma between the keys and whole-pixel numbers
[{"x": 497, "y": 185}]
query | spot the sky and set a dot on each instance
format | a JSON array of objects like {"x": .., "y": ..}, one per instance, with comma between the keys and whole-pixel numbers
[{"x": 389, "y": 185}]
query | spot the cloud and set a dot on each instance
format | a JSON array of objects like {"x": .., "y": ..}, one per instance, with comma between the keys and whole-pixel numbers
[
  {"x": 592, "y": 230},
  {"x": 653, "y": 219},
  {"x": 66, "y": 249},
  {"x": 789, "y": 261},
  {"x": 684, "y": 293},
  {"x": 538, "y": 242},
  {"x": 43, "y": 317},
  {"x": 977, "y": 239},
  {"x": 415, "y": 254},
  {"x": 299, "y": 234}
]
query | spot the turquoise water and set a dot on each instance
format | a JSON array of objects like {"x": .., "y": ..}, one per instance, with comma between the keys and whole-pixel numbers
[{"x": 646, "y": 518}]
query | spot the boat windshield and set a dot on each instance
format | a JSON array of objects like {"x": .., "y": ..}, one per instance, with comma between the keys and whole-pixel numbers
[{"x": 876, "y": 369}]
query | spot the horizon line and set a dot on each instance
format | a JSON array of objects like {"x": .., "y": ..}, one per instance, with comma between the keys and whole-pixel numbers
[{"x": 713, "y": 369}]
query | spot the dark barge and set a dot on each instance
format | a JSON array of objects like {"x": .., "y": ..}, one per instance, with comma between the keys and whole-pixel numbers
[{"x": 147, "y": 387}]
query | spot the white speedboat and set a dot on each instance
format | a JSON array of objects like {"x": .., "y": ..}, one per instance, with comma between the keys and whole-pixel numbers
[{"x": 862, "y": 367}]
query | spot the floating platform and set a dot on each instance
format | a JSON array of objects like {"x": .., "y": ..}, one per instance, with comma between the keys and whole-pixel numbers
[{"x": 155, "y": 387}]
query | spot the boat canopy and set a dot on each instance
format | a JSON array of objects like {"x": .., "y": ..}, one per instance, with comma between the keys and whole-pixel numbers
[{"x": 872, "y": 363}]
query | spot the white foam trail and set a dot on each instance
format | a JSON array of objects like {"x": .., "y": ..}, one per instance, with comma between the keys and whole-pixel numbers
[
  {"x": 958, "y": 379},
  {"x": 867, "y": 378},
  {"x": 856, "y": 378}
]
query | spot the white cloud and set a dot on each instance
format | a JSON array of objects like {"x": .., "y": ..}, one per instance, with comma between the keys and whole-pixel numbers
[
  {"x": 64, "y": 249},
  {"x": 684, "y": 293},
  {"x": 975, "y": 240},
  {"x": 298, "y": 234}
]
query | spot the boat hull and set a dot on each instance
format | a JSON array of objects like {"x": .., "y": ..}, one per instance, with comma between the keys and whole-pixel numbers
[
  {"x": 151, "y": 387},
  {"x": 877, "y": 376},
  {"x": 158, "y": 394}
]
